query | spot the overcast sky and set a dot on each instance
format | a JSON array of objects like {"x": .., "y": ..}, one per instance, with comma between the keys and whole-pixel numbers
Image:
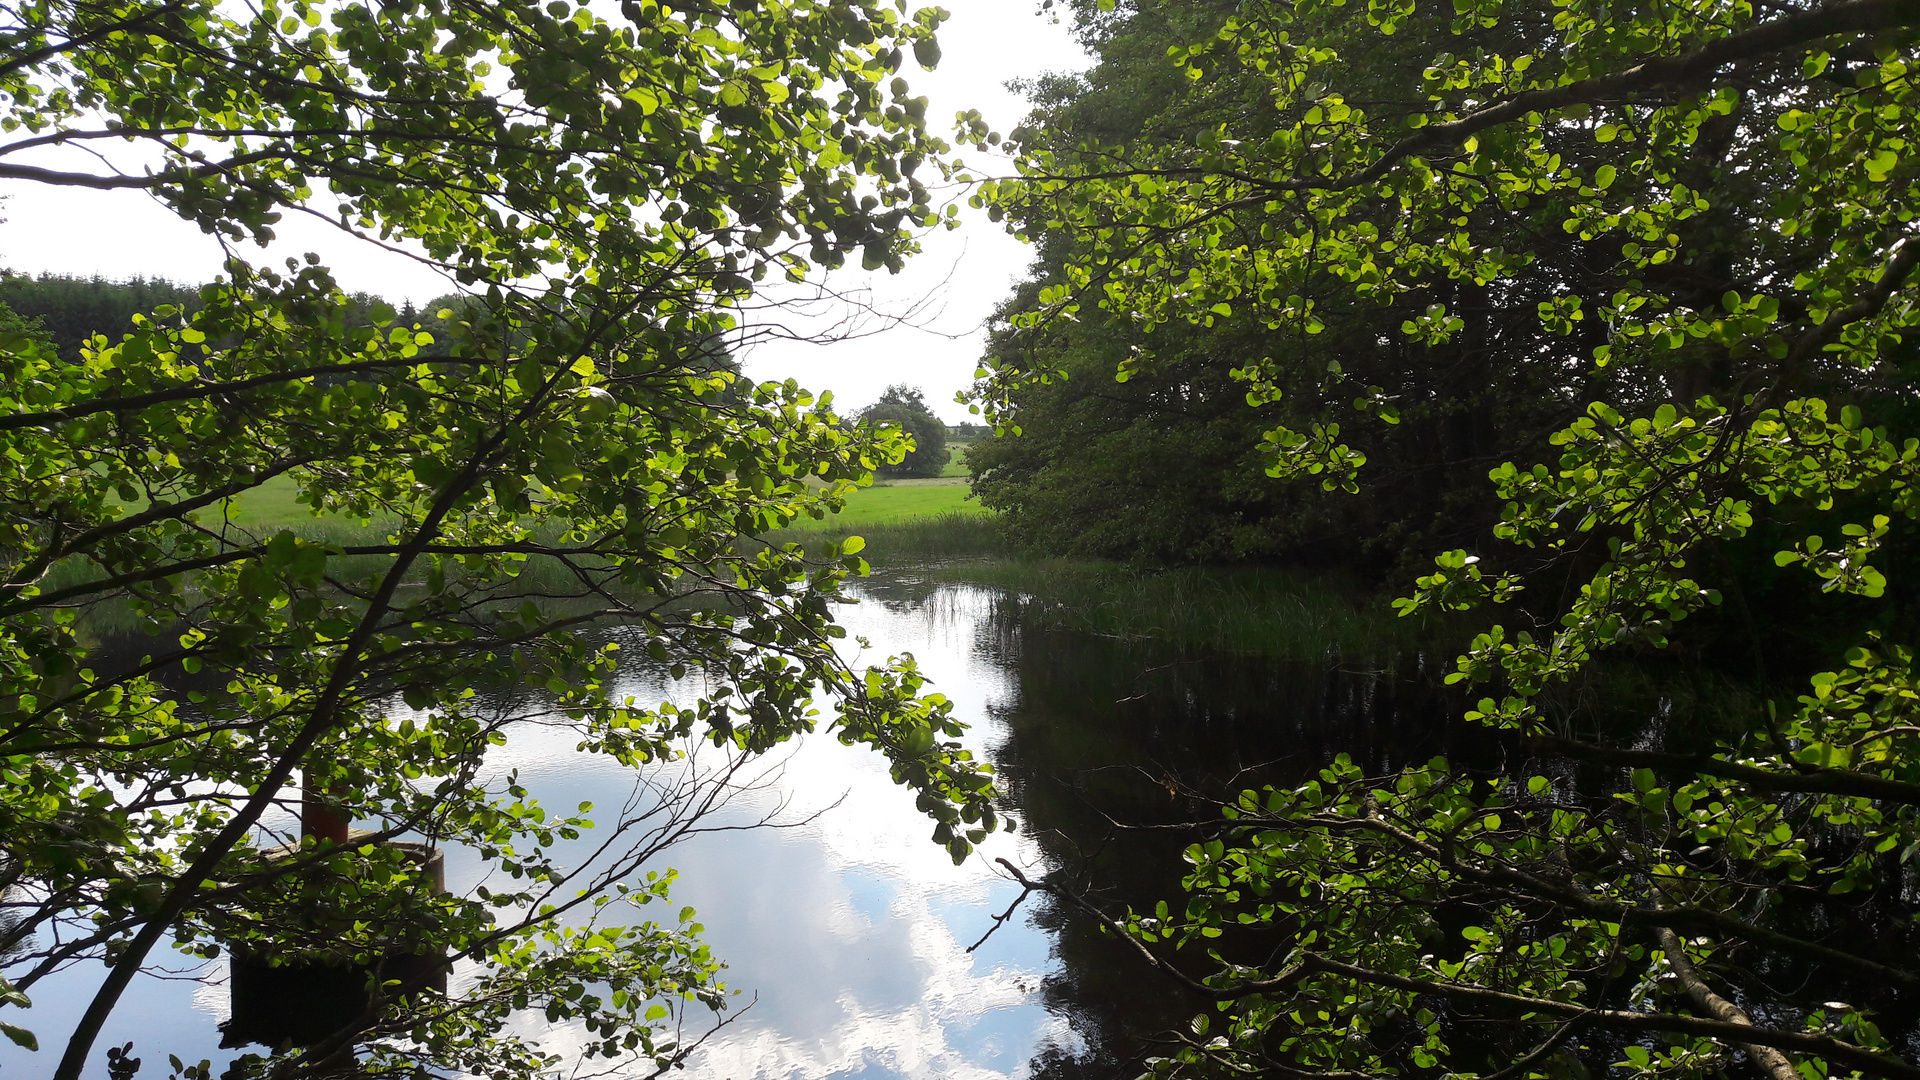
[{"x": 944, "y": 296}]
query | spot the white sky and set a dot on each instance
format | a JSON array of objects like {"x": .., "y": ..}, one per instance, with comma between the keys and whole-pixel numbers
[{"x": 945, "y": 295}]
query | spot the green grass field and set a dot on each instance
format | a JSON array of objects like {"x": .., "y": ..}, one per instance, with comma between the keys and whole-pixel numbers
[
  {"x": 893, "y": 504},
  {"x": 273, "y": 504}
]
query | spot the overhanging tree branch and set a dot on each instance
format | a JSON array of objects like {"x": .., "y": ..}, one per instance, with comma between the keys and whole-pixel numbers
[
  {"x": 324, "y": 715},
  {"x": 1307, "y": 964},
  {"x": 1832, "y": 1049},
  {"x": 201, "y": 391},
  {"x": 1766, "y": 39},
  {"x": 1855, "y": 17},
  {"x": 1821, "y": 780},
  {"x": 1525, "y": 884},
  {"x": 1771, "y": 1061}
]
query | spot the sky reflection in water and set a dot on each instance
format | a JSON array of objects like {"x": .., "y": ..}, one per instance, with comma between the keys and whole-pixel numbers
[{"x": 844, "y": 935}]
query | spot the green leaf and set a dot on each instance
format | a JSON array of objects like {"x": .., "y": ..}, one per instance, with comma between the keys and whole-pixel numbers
[{"x": 19, "y": 1036}]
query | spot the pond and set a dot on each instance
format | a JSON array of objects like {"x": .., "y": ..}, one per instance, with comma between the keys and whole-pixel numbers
[{"x": 846, "y": 931}]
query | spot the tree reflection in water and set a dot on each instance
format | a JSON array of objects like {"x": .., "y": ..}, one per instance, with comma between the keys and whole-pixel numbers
[{"x": 1116, "y": 756}]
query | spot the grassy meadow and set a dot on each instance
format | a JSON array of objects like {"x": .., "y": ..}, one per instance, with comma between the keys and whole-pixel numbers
[
  {"x": 892, "y": 503},
  {"x": 273, "y": 504},
  {"x": 919, "y": 539},
  {"x": 932, "y": 523},
  {"x": 913, "y": 521}
]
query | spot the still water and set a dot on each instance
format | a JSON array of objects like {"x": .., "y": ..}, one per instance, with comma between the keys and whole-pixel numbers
[{"x": 846, "y": 930}]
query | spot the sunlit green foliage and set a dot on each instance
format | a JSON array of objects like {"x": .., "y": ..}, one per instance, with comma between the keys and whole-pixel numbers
[
  {"x": 1706, "y": 209},
  {"x": 1125, "y": 434},
  {"x": 605, "y": 190}
]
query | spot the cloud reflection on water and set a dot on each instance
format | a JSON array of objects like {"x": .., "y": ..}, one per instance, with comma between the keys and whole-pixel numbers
[
  {"x": 851, "y": 929},
  {"x": 847, "y": 935}
]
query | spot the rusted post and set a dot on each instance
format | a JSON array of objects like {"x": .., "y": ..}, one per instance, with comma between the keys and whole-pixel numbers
[
  {"x": 316, "y": 819},
  {"x": 304, "y": 1002}
]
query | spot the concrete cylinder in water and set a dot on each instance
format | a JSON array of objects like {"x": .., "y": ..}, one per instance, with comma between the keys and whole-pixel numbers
[{"x": 305, "y": 1002}]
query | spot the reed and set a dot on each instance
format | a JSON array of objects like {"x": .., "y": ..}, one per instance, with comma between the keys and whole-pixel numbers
[
  {"x": 1288, "y": 614},
  {"x": 1253, "y": 611},
  {"x": 932, "y": 539},
  {"x": 1256, "y": 611}
]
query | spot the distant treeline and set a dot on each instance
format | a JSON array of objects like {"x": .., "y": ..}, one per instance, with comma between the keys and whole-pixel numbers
[
  {"x": 72, "y": 309},
  {"x": 68, "y": 310}
]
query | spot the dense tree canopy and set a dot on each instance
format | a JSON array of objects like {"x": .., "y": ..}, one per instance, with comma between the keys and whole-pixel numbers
[
  {"x": 568, "y": 446},
  {"x": 1175, "y": 433},
  {"x": 904, "y": 409},
  {"x": 1160, "y": 469},
  {"x": 1690, "y": 227}
]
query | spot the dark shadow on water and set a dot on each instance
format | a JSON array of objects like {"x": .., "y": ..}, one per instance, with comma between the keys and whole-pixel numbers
[{"x": 1119, "y": 752}]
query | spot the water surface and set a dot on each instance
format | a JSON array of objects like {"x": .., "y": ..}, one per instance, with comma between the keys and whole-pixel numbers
[{"x": 846, "y": 930}]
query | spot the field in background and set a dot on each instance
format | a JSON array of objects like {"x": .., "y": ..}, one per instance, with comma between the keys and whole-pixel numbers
[
  {"x": 887, "y": 503},
  {"x": 900, "y": 501},
  {"x": 273, "y": 503},
  {"x": 930, "y": 526}
]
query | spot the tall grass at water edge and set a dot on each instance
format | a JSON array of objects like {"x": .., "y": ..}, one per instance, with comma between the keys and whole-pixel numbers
[
  {"x": 1254, "y": 611},
  {"x": 1290, "y": 614},
  {"x": 1249, "y": 611},
  {"x": 929, "y": 539}
]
